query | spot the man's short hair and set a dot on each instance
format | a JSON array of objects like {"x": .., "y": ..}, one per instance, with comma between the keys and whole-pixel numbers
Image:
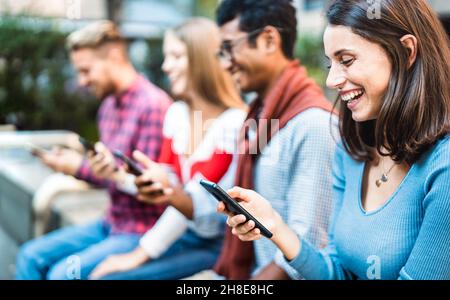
[
  {"x": 94, "y": 36},
  {"x": 257, "y": 14}
]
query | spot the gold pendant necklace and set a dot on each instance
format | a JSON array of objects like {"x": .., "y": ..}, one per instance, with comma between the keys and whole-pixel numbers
[{"x": 384, "y": 177}]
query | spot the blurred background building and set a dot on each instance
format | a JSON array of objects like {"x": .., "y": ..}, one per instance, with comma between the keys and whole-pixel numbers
[{"x": 34, "y": 70}]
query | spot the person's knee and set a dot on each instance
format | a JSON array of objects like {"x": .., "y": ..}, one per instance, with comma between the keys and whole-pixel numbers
[
  {"x": 61, "y": 271},
  {"x": 30, "y": 262}
]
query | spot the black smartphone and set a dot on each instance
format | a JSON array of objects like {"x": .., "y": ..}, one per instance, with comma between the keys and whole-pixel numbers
[
  {"x": 232, "y": 205},
  {"x": 88, "y": 146},
  {"x": 133, "y": 167}
]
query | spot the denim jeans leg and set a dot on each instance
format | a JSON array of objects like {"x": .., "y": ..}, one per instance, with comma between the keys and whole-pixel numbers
[
  {"x": 84, "y": 262},
  {"x": 189, "y": 255},
  {"x": 37, "y": 256}
]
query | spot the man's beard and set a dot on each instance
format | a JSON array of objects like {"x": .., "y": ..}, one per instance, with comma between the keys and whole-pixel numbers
[{"x": 103, "y": 92}]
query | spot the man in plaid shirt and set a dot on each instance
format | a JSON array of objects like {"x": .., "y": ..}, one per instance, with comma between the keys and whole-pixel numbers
[{"x": 130, "y": 117}]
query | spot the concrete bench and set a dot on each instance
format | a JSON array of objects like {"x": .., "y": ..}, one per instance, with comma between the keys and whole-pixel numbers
[
  {"x": 77, "y": 208},
  {"x": 21, "y": 176}
]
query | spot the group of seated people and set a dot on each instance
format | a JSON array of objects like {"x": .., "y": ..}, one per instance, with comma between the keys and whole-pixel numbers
[{"x": 358, "y": 190}]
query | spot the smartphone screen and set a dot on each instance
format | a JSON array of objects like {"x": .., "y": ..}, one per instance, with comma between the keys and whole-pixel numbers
[
  {"x": 132, "y": 166},
  {"x": 232, "y": 205}
]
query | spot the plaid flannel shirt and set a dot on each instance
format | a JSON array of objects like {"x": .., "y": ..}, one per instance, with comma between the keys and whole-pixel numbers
[{"x": 132, "y": 120}]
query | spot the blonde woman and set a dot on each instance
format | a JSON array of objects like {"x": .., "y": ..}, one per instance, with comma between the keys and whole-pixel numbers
[{"x": 199, "y": 139}]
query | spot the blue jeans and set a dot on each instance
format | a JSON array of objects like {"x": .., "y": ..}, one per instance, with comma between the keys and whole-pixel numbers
[
  {"x": 72, "y": 252},
  {"x": 189, "y": 255}
]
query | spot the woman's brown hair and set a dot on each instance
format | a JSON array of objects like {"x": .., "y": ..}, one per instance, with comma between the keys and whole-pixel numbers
[
  {"x": 415, "y": 112},
  {"x": 206, "y": 76}
]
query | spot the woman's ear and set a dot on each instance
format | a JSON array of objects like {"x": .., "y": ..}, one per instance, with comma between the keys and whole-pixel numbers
[{"x": 409, "y": 41}]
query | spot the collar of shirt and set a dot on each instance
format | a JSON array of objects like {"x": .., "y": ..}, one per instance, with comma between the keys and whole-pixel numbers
[{"x": 123, "y": 97}]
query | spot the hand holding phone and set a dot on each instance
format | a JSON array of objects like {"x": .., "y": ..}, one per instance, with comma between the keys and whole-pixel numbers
[
  {"x": 133, "y": 167},
  {"x": 232, "y": 205}
]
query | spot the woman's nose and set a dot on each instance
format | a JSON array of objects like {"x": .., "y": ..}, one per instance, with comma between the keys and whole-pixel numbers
[{"x": 335, "y": 78}]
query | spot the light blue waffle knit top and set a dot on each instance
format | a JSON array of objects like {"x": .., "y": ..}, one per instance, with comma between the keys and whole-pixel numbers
[{"x": 406, "y": 238}]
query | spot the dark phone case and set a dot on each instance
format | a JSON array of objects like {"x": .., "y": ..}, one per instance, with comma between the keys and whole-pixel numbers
[
  {"x": 87, "y": 145},
  {"x": 232, "y": 205},
  {"x": 132, "y": 166}
]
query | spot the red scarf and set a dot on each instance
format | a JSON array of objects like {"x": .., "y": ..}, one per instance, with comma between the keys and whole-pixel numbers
[{"x": 293, "y": 93}]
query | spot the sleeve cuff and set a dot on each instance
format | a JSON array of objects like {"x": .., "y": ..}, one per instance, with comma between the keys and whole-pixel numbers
[
  {"x": 172, "y": 176},
  {"x": 303, "y": 259},
  {"x": 282, "y": 263},
  {"x": 83, "y": 171},
  {"x": 169, "y": 228},
  {"x": 128, "y": 185}
]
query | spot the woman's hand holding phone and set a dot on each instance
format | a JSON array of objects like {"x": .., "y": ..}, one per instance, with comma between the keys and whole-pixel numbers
[
  {"x": 284, "y": 237},
  {"x": 258, "y": 207}
]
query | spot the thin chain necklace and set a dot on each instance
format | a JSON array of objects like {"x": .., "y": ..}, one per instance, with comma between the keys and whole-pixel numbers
[{"x": 384, "y": 176}]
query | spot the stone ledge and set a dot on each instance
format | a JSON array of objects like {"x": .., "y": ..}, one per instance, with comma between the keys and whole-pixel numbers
[{"x": 77, "y": 208}]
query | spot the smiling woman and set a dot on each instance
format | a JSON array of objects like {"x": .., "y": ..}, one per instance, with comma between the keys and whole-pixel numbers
[
  {"x": 399, "y": 60},
  {"x": 192, "y": 66},
  {"x": 359, "y": 69},
  {"x": 391, "y": 177},
  {"x": 199, "y": 135}
]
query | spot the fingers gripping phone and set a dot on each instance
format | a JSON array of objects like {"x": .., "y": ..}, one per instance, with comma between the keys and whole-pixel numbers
[
  {"x": 132, "y": 166},
  {"x": 88, "y": 146},
  {"x": 232, "y": 205},
  {"x": 135, "y": 169}
]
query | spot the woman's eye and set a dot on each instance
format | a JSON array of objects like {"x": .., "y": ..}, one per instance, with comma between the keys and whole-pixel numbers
[{"x": 347, "y": 62}]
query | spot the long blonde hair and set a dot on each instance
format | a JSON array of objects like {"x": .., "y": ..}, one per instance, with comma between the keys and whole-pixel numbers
[{"x": 206, "y": 76}]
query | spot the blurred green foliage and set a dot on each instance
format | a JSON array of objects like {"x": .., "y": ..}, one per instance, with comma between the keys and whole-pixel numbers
[
  {"x": 153, "y": 63},
  {"x": 206, "y": 8},
  {"x": 309, "y": 49},
  {"x": 37, "y": 86}
]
